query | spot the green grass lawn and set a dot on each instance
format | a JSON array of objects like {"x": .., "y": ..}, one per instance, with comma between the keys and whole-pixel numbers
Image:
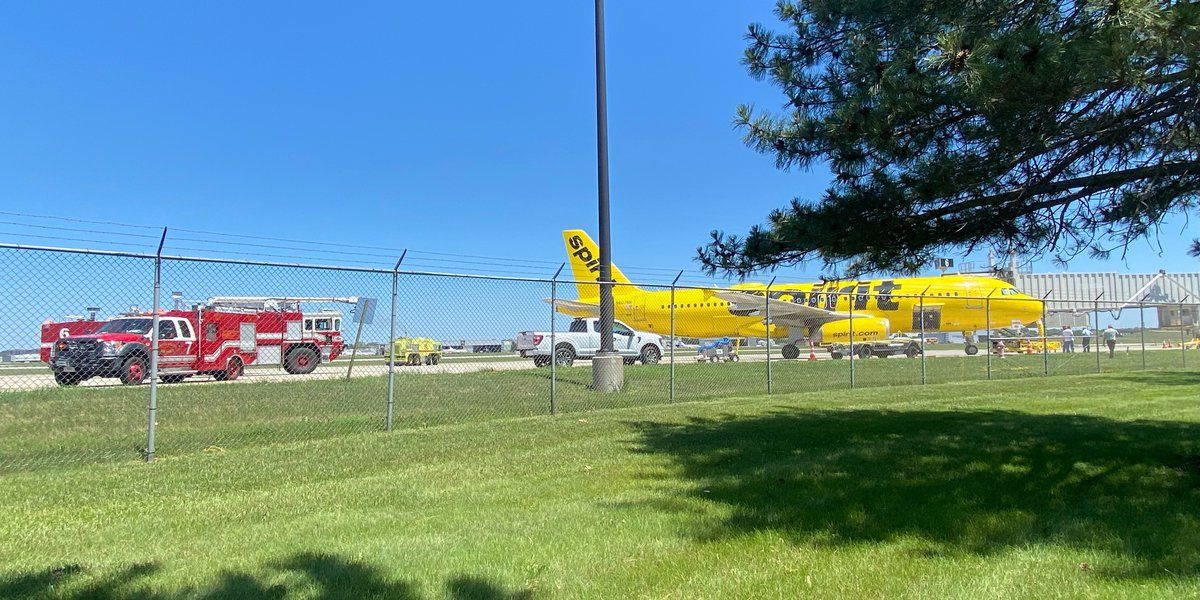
[{"x": 1072, "y": 486}]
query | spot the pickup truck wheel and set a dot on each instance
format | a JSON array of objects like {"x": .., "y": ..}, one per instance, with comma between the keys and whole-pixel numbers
[
  {"x": 541, "y": 361},
  {"x": 912, "y": 351},
  {"x": 650, "y": 355},
  {"x": 301, "y": 361},
  {"x": 67, "y": 379},
  {"x": 864, "y": 352},
  {"x": 790, "y": 351},
  {"x": 133, "y": 370},
  {"x": 564, "y": 355}
]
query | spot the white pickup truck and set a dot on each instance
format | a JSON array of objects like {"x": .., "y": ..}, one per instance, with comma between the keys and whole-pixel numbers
[{"x": 582, "y": 340}]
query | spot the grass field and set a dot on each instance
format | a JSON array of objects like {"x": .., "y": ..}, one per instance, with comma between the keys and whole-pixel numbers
[
  {"x": 1072, "y": 486},
  {"x": 68, "y": 426}
]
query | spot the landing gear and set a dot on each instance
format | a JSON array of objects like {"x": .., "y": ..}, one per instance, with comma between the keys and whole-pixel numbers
[
  {"x": 790, "y": 351},
  {"x": 971, "y": 349}
]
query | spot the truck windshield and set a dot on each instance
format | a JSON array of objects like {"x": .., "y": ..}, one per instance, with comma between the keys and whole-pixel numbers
[{"x": 127, "y": 326}]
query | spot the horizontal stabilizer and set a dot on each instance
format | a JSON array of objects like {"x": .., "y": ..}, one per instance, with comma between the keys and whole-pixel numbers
[{"x": 574, "y": 308}]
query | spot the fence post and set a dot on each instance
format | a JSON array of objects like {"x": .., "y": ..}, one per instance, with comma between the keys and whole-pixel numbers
[
  {"x": 1142, "y": 317},
  {"x": 851, "y": 354},
  {"x": 921, "y": 299},
  {"x": 1096, "y": 312},
  {"x": 987, "y": 317},
  {"x": 553, "y": 336},
  {"x": 1182, "y": 334},
  {"x": 1045, "y": 343},
  {"x": 391, "y": 387},
  {"x": 767, "y": 323},
  {"x": 671, "y": 373},
  {"x": 154, "y": 349}
]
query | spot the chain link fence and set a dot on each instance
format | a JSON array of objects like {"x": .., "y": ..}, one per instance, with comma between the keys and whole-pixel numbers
[{"x": 242, "y": 353}]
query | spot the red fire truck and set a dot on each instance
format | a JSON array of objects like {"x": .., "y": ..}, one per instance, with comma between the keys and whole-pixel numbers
[{"x": 218, "y": 338}]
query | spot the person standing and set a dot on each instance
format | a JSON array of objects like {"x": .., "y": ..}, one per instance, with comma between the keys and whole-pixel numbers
[
  {"x": 1086, "y": 334},
  {"x": 1110, "y": 340},
  {"x": 1068, "y": 338}
]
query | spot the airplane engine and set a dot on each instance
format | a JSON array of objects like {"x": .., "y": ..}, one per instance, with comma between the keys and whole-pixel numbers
[{"x": 866, "y": 329}]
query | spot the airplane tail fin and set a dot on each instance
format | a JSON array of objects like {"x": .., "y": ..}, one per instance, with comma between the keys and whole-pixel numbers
[{"x": 584, "y": 255}]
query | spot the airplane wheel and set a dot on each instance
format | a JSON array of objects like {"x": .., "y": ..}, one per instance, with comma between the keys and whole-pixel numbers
[
  {"x": 864, "y": 352},
  {"x": 790, "y": 351},
  {"x": 912, "y": 351},
  {"x": 972, "y": 349},
  {"x": 835, "y": 355}
]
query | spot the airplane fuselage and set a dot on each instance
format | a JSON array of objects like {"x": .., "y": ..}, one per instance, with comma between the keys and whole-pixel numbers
[{"x": 950, "y": 303}]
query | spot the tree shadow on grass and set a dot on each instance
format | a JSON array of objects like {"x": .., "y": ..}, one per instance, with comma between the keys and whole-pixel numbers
[
  {"x": 1172, "y": 378},
  {"x": 321, "y": 576},
  {"x": 965, "y": 481}
]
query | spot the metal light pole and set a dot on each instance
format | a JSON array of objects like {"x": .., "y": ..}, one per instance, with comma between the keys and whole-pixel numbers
[{"x": 607, "y": 367}]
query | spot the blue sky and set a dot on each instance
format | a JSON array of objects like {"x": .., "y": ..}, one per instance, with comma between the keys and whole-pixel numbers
[{"x": 463, "y": 128}]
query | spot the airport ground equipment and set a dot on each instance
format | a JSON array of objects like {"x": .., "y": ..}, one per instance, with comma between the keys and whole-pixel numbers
[
  {"x": 722, "y": 350},
  {"x": 882, "y": 349},
  {"x": 418, "y": 351},
  {"x": 582, "y": 340}
]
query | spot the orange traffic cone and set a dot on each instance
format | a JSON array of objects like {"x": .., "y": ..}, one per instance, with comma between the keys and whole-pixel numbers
[
  {"x": 1029, "y": 349},
  {"x": 812, "y": 355}
]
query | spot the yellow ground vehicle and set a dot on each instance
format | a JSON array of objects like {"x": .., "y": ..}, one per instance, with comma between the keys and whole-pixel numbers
[
  {"x": 1192, "y": 344},
  {"x": 417, "y": 351}
]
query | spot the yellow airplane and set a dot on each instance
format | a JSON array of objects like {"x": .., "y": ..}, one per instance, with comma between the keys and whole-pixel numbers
[{"x": 813, "y": 313}]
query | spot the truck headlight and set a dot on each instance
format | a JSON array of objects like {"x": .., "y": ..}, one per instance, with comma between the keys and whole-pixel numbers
[{"x": 111, "y": 348}]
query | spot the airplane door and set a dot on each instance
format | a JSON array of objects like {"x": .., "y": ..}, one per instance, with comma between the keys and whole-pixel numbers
[{"x": 932, "y": 318}]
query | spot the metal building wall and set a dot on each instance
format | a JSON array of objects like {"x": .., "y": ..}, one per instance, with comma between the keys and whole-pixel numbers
[{"x": 1116, "y": 287}]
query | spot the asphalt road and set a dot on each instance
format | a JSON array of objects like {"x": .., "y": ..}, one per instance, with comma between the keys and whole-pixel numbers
[{"x": 38, "y": 376}]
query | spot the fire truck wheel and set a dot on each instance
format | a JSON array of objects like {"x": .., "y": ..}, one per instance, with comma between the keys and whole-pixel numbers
[
  {"x": 67, "y": 378},
  {"x": 232, "y": 371},
  {"x": 301, "y": 361},
  {"x": 790, "y": 351},
  {"x": 133, "y": 372}
]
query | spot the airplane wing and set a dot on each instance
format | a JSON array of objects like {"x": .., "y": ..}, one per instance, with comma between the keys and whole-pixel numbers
[
  {"x": 781, "y": 312},
  {"x": 574, "y": 308}
]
